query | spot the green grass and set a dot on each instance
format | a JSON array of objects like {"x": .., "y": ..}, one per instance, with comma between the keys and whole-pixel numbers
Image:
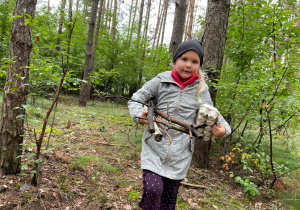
[
  {"x": 79, "y": 162},
  {"x": 117, "y": 122}
]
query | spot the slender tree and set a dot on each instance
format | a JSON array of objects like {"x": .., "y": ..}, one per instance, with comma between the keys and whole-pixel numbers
[
  {"x": 97, "y": 32},
  {"x": 84, "y": 9},
  {"x": 15, "y": 89},
  {"x": 70, "y": 11},
  {"x": 191, "y": 19},
  {"x": 114, "y": 21},
  {"x": 139, "y": 36},
  {"x": 84, "y": 95},
  {"x": 61, "y": 19},
  {"x": 164, "y": 22},
  {"x": 159, "y": 13},
  {"x": 214, "y": 40}
]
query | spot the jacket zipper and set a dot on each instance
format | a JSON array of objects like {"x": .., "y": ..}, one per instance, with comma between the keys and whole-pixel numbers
[{"x": 170, "y": 142}]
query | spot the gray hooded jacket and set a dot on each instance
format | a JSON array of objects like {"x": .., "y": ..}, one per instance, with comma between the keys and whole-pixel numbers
[{"x": 170, "y": 158}]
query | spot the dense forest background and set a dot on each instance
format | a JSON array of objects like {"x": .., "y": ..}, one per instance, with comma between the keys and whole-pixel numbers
[{"x": 114, "y": 47}]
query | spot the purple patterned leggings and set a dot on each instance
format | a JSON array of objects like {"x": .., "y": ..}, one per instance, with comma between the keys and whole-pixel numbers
[{"x": 159, "y": 193}]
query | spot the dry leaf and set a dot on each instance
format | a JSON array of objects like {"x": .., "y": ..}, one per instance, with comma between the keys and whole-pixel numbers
[
  {"x": 128, "y": 189},
  {"x": 215, "y": 207},
  {"x": 10, "y": 182},
  {"x": 127, "y": 207},
  {"x": 68, "y": 124}
]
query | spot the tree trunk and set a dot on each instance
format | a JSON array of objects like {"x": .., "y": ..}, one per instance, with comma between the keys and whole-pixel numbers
[
  {"x": 61, "y": 19},
  {"x": 164, "y": 23},
  {"x": 77, "y": 4},
  {"x": 84, "y": 95},
  {"x": 190, "y": 26},
  {"x": 214, "y": 40},
  {"x": 84, "y": 9},
  {"x": 16, "y": 90},
  {"x": 139, "y": 36},
  {"x": 184, "y": 35},
  {"x": 103, "y": 11},
  {"x": 140, "y": 19},
  {"x": 147, "y": 20},
  {"x": 129, "y": 21},
  {"x": 180, "y": 7},
  {"x": 114, "y": 22},
  {"x": 106, "y": 14},
  {"x": 133, "y": 19},
  {"x": 97, "y": 32},
  {"x": 70, "y": 11},
  {"x": 144, "y": 45},
  {"x": 159, "y": 14}
]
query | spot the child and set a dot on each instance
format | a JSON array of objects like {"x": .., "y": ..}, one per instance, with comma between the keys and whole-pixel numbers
[{"x": 166, "y": 163}]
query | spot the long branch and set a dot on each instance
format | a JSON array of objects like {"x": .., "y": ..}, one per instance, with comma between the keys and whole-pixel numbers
[
  {"x": 285, "y": 121},
  {"x": 271, "y": 148},
  {"x": 275, "y": 93},
  {"x": 242, "y": 119},
  {"x": 191, "y": 128},
  {"x": 187, "y": 126}
]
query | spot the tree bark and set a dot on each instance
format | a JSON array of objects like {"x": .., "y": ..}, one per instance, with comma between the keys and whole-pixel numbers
[
  {"x": 176, "y": 39},
  {"x": 97, "y": 32},
  {"x": 139, "y": 36},
  {"x": 84, "y": 9},
  {"x": 114, "y": 21},
  {"x": 164, "y": 22},
  {"x": 84, "y": 95},
  {"x": 70, "y": 11},
  {"x": 214, "y": 40},
  {"x": 190, "y": 26},
  {"x": 129, "y": 21},
  {"x": 159, "y": 14},
  {"x": 61, "y": 18},
  {"x": 16, "y": 89}
]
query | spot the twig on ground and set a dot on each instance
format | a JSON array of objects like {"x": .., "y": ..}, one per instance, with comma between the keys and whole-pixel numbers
[
  {"x": 104, "y": 143},
  {"x": 194, "y": 185}
]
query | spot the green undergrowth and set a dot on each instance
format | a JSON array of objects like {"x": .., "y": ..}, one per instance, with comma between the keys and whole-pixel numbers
[{"x": 104, "y": 141}]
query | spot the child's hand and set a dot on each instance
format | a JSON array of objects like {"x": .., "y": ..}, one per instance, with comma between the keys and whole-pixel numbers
[
  {"x": 218, "y": 131},
  {"x": 143, "y": 115}
]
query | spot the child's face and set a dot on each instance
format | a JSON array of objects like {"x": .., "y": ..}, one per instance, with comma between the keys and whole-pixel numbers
[{"x": 187, "y": 65}]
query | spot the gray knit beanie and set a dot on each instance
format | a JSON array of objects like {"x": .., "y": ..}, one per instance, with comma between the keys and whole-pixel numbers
[{"x": 186, "y": 46}]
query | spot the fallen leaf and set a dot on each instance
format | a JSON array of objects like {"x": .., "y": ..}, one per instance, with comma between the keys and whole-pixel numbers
[
  {"x": 10, "y": 182},
  {"x": 127, "y": 207},
  {"x": 215, "y": 207},
  {"x": 68, "y": 124},
  {"x": 128, "y": 189}
]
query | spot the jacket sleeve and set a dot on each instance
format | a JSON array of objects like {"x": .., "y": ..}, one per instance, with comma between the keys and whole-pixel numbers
[
  {"x": 143, "y": 95},
  {"x": 206, "y": 99}
]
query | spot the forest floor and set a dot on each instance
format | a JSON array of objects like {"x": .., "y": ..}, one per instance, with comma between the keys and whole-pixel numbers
[{"x": 93, "y": 163}]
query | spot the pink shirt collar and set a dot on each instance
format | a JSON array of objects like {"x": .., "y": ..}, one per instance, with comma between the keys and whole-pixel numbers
[{"x": 186, "y": 83}]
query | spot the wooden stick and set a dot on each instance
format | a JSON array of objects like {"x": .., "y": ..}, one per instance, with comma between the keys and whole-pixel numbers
[
  {"x": 150, "y": 116},
  {"x": 194, "y": 185},
  {"x": 179, "y": 122}
]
